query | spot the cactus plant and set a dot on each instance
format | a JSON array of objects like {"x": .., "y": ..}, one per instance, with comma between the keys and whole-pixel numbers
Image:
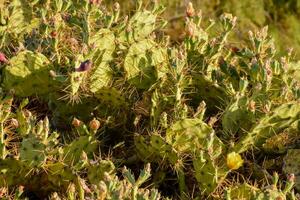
[
  {"x": 144, "y": 63},
  {"x": 28, "y": 74},
  {"x": 89, "y": 92}
]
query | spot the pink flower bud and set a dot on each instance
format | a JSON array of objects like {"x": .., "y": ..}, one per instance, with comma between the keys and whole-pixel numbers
[{"x": 3, "y": 58}]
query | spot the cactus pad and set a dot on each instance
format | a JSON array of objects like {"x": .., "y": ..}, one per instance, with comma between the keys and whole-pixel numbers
[
  {"x": 207, "y": 173},
  {"x": 154, "y": 148},
  {"x": 96, "y": 172},
  {"x": 188, "y": 134},
  {"x": 144, "y": 63},
  {"x": 110, "y": 96},
  {"x": 33, "y": 152},
  {"x": 28, "y": 74},
  {"x": 104, "y": 44},
  {"x": 73, "y": 152},
  {"x": 140, "y": 26},
  {"x": 292, "y": 165}
]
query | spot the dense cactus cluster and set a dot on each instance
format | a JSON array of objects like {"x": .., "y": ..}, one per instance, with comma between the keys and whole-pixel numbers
[{"x": 87, "y": 94}]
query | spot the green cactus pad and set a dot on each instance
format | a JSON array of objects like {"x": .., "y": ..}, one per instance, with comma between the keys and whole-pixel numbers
[
  {"x": 96, "y": 172},
  {"x": 207, "y": 173},
  {"x": 279, "y": 119},
  {"x": 59, "y": 174},
  {"x": 12, "y": 172},
  {"x": 188, "y": 134},
  {"x": 292, "y": 165},
  {"x": 145, "y": 63},
  {"x": 111, "y": 96},
  {"x": 28, "y": 74},
  {"x": 237, "y": 116},
  {"x": 33, "y": 152},
  {"x": 140, "y": 26},
  {"x": 73, "y": 152},
  {"x": 243, "y": 191},
  {"x": 154, "y": 148},
  {"x": 104, "y": 44},
  {"x": 18, "y": 19},
  {"x": 206, "y": 90}
]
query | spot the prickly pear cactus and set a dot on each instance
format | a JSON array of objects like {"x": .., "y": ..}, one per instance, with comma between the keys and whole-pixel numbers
[
  {"x": 111, "y": 96},
  {"x": 270, "y": 192},
  {"x": 292, "y": 165},
  {"x": 96, "y": 171},
  {"x": 281, "y": 118},
  {"x": 208, "y": 174},
  {"x": 72, "y": 153},
  {"x": 16, "y": 19},
  {"x": 237, "y": 116},
  {"x": 139, "y": 27},
  {"x": 104, "y": 44},
  {"x": 28, "y": 74},
  {"x": 33, "y": 152},
  {"x": 144, "y": 63},
  {"x": 154, "y": 148},
  {"x": 12, "y": 172},
  {"x": 188, "y": 135}
]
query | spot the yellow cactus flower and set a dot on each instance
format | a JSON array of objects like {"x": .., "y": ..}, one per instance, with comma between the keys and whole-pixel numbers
[{"x": 234, "y": 160}]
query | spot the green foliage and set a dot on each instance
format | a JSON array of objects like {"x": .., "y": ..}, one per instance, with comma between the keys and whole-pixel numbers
[
  {"x": 202, "y": 111},
  {"x": 28, "y": 74}
]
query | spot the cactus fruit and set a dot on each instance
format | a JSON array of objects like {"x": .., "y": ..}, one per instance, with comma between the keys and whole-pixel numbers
[{"x": 28, "y": 74}]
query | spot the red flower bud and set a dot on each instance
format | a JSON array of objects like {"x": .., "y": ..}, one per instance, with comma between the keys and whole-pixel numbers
[{"x": 3, "y": 58}]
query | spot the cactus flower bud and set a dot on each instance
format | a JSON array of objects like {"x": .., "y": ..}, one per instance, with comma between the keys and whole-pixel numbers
[
  {"x": 116, "y": 6},
  {"x": 234, "y": 160},
  {"x": 14, "y": 123},
  {"x": 190, "y": 11},
  {"x": 190, "y": 30},
  {"x": 291, "y": 178},
  {"x": 3, "y": 58},
  {"x": 251, "y": 106},
  {"x": 52, "y": 73},
  {"x": 96, "y": 2},
  {"x": 53, "y": 34},
  {"x": 76, "y": 122},
  {"x": 94, "y": 125}
]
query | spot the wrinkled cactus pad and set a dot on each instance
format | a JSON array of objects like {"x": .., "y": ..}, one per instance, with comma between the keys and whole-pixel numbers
[
  {"x": 28, "y": 74},
  {"x": 140, "y": 26},
  {"x": 144, "y": 63}
]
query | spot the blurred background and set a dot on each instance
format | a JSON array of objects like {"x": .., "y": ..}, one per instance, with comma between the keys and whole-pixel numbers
[{"x": 281, "y": 16}]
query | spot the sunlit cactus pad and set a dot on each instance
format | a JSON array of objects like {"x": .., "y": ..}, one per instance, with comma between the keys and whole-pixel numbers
[
  {"x": 99, "y": 102},
  {"x": 28, "y": 74}
]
